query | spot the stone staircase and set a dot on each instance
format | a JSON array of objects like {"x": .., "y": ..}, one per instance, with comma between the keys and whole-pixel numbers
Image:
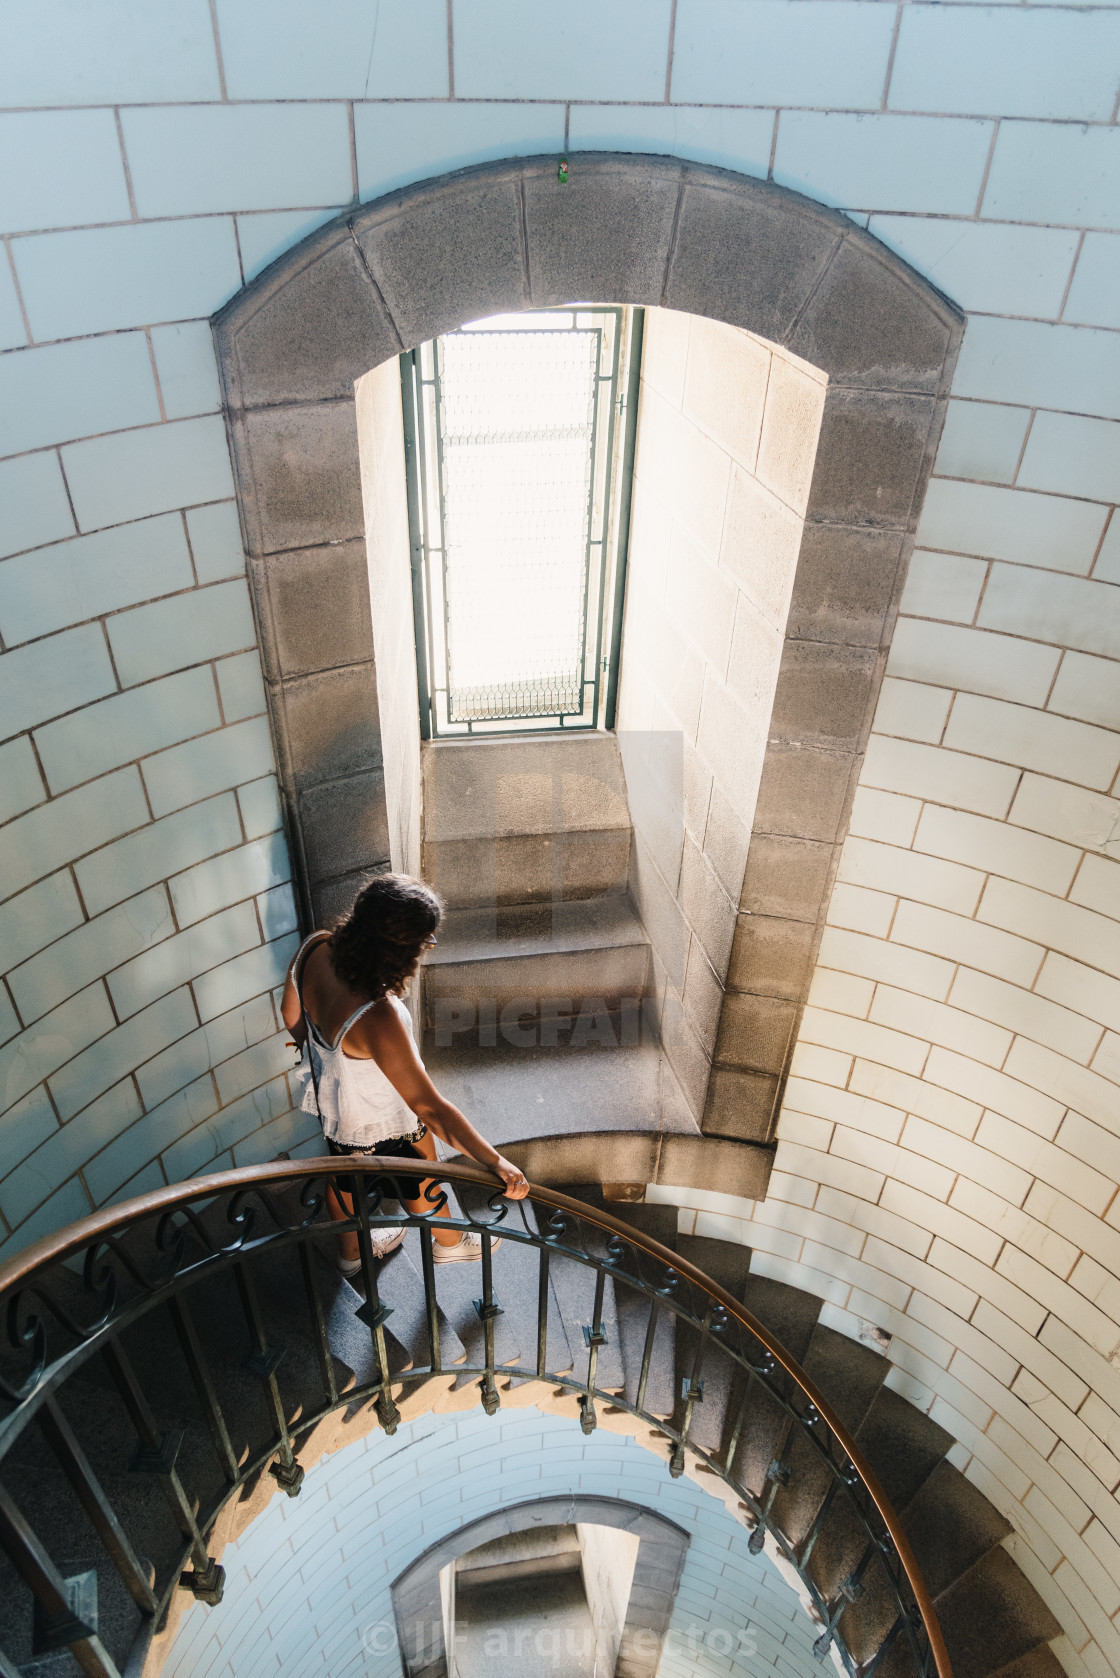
[
  {"x": 993, "y": 1621},
  {"x": 537, "y": 1006}
]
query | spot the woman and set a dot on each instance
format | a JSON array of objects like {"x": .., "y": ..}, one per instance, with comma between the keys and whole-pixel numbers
[{"x": 361, "y": 1070}]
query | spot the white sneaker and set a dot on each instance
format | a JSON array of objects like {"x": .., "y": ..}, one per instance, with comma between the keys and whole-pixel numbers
[
  {"x": 467, "y": 1250},
  {"x": 382, "y": 1242}
]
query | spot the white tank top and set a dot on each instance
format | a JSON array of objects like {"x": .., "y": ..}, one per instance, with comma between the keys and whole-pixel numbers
[{"x": 358, "y": 1104}]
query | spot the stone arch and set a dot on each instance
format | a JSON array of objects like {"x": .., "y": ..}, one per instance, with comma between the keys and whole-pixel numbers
[
  {"x": 627, "y": 229},
  {"x": 657, "y": 1570}
]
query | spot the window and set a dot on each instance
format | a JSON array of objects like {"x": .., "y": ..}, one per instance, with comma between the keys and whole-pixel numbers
[{"x": 519, "y": 436}]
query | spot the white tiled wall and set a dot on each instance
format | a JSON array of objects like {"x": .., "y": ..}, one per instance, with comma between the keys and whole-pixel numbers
[
  {"x": 309, "y": 1581},
  {"x": 948, "y": 1165}
]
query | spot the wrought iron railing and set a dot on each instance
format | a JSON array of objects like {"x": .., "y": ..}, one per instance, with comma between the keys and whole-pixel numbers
[{"x": 91, "y": 1303}]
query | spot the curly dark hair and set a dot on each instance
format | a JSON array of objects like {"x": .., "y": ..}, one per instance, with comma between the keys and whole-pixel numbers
[{"x": 374, "y": 948}]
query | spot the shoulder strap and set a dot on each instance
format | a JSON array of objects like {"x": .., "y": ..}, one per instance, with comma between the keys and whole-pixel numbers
[{"x": 353, "y": 1020}]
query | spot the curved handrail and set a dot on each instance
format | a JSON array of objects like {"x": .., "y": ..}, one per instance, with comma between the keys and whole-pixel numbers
[{"x": 90, "y": 1235}]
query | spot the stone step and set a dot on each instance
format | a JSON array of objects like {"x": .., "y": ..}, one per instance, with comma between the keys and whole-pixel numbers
[
  {"x": 512, "y": 973},
  {"x": 514, "y": 1094},
  {"x": 510, "y": 821}
]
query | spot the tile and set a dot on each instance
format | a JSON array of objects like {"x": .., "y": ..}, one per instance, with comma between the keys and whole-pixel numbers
[
  {"x": 21, "y": 785},
  {"x": 277, "y": 909},
  {"x": 772, "y": 52},
  {"x": 255, "y": 1066},
  {"x": 228, "y": 1127},
  {"x": 397, "y": 144},
  {"x": 1066, "y": 927},
  {"x": 888, "y": 868},
  {"x": 980, "y": 265},
  {"x": 924, "y": 771},
  {"x": 1067, "y": 367},
  {"x": 177, "y": 960},
  {"x": 215, "y": 536},
  {"x": 1068, "y": 176},
  {"x": 13, "y": 333},
  {"x": 187, "y": 369},
  {"x": 207, "y": 765},
  {"x": 929, "y": 164},
  {"x": 945, "y": 586},
  {"x": 269, "y": 233},
  {"x": 36, "y": 917},
  {"x": 58, "y": 391},
  {"x": 1088, "y": 688},
  {"x": 1032, "y": 529},
  {"x": 260, "y": 807},
  {"x": 1010, "y": 63},
  {"x": 56, "y": 53},
  {"x": 58, "y": 168},
  {"x": 229, "y": 878},
  {"x": 41, "y": 1049},
  {"x": 1106, "y": 568},
  {"x": 101, "y": 737},
  {"x": 1073, "y": 456},
  {"x": 162, "y": 848},
  {"x": 911, "y": 710},
  {"x": 36, "y": 507},
  {"x": 25, "y": 1126},
  {"x": 64, "y": 1207},
  {"x": 277, "y": 49},
  {"x": 248, "y": 975},
  {"x": 82, "y": 578},
  {"x": 1068, "y": 611},
  {"x": 727, "y": 138},
  {"x": 1094, "y": 296},
  {"x": 121, "y": 1051},
  {"x": 115, "y": 479},
  {"x": 241, "y": 686},
  {"x": 997, "y": 847},
  {"x": 506, "y": 50},
  {"x": 203, "y": 624},
  {"x": 961, "y": 940},
  {"x": 973, "y": 660},
  {"x": 982, "y": 441},
  {"x": 1097, "y": 886},
  {"x": 53, "y": 675},
  {"x": 1034, "y": 740},
  {"x": 84, "y": 955},
  {"x": 103, "y": 279},
  {"x": 157, "y": 1130},
  {"x": 191, "y": 1055},
  {"x": 197, "y": 160},
  {"x": 884, "y": 815}
]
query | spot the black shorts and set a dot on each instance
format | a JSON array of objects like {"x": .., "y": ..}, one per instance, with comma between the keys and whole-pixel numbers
[{"x": 398, "y": 1147}]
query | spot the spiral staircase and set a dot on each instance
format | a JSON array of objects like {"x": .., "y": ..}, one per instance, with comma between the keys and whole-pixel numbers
[{"x": 187, "y": 1355}]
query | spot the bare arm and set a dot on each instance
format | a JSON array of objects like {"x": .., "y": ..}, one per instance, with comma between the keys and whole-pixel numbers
[{"x": 383, "y": 1034}]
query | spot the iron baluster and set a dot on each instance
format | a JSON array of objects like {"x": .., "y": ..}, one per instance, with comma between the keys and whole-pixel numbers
[
  {"x": 692, "y": 1391},
  {"x": 61, "y": 1439},
  {"x": 263, "y": 1361},
  {"x": 7, "y": 1670},
  {"x": 59, "y": 1626},
  {"x": 156, "y": 1454},
  {"x": 871, "y": 1666},
  {"x": 542, "y": 1312},
  {"x": 318, "y": 1322},
  {"x": 431, "y": 1304},
  {"x": 647, "y": 1355},
  {"x": 203, "y": 1385},
  {"x": 594, "y": 1335},
  {"x": 489, "y": 1309},
  {"x": 848, "y": 1591},
  {"x": 819, "y": 1519},
  {"x": 777, "y": 1476},
  {"x": 373, "y": 1313}
]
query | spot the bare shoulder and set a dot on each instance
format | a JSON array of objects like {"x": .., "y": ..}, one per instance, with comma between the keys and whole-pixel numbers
[{"x": 381, "y": 1028}]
